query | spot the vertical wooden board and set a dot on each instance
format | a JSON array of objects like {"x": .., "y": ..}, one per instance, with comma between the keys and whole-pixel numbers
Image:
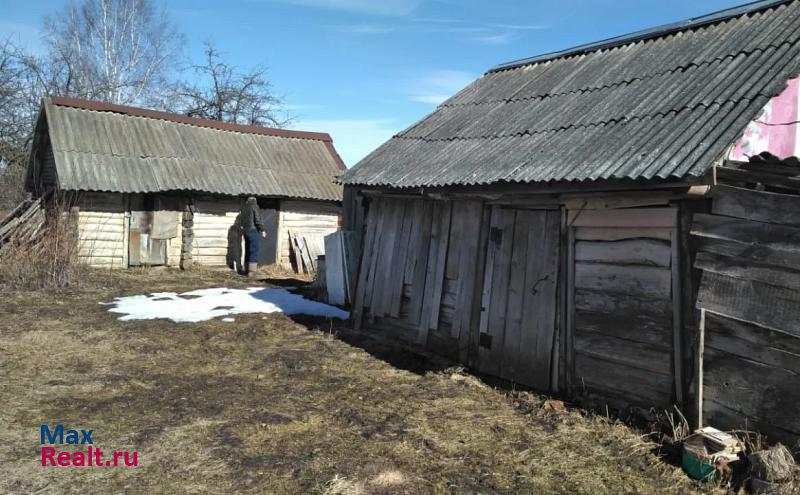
[
  {"x": 491, "y": 252},
  {"x": 539, "y": 321},
  {"x": 514, "y": 355},
  {"x": 421, "y": 265},
  {"x": 470, "y": 334},
  {"x": 381, "y": 226},
  {"x": 469, "y": 267},
  {"x": 499, "y": 288},
  {"x": 400, "y": 259},
  {"x": 366, "y": 259},
  {"x": 441, "y": 264},
  {"x": 457, "y": 225},
  {"x": 413, "y": 242},
  {"x": 428, "y": 301},
  {"x": 334, "y": 269}
]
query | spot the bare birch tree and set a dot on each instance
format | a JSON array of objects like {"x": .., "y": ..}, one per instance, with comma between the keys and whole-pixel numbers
[
  {"x": 119, "y": 51},
  {"x": 220, "y": 91}
]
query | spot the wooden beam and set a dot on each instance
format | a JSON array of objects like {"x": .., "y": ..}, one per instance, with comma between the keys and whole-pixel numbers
[
  {"x": 635, "y": 217},
  {"x": 570, "y": 312},
  {"x": 677, "y": 318},
  {"x": 699, "y": 372}
]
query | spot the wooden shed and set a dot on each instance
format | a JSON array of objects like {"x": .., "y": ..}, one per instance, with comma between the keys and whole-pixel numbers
[
  {"x": 543, "y": 225},
  {"x": 155, "y": 188}
]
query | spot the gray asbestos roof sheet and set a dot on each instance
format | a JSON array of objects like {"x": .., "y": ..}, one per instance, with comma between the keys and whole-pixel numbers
[
  {"x": 664, "y": 107},
  {"x": 107, "y": 151}
]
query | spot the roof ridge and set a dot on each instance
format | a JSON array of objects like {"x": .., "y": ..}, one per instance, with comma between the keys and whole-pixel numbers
[
  {"x": 99, "y": 106},
  {"x": 649, "y": 33},
  {"x": 617, "y": 84}
]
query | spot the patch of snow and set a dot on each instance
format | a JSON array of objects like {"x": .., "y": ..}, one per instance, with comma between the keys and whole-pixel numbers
[
  {"x": 206, "y": 304},
  {"x": 229, "y": 320}
]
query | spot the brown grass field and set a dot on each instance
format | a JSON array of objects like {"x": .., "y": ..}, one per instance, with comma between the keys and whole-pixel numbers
[{"x": 268, "y": 404}]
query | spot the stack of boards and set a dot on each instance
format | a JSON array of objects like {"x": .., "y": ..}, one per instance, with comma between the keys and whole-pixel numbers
[{"x": 307, "y": 248}]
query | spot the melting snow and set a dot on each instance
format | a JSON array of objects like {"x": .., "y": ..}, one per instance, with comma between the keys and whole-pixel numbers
[{"x": 205, "y": 304}]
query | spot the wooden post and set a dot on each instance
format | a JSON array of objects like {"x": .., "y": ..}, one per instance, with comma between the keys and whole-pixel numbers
[
  {"x": 557, "y": 379},
  {"x": 569, "y": 344},
  {"x": 677, "y": 318},
  {"x": 701, "y": 344}
]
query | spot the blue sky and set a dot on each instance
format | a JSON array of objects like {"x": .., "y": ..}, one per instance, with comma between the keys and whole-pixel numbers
[{"x": 363, "y": 70}]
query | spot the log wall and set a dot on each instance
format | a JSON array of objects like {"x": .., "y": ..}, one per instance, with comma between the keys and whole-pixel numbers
[
  {"x": 102, "y": 230},
  {"x": 213, "y": 220}
]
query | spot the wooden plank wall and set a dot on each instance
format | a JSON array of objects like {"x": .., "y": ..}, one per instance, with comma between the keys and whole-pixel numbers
[
  {"x": 311, "y": 217},
  {"x": 212, "y": 222},
  {"x": 418, "y": 269},
  {"x": 749, "y": 251},
  {"x": 622, "y": 326},
  {"x": 101, "y": 229}
]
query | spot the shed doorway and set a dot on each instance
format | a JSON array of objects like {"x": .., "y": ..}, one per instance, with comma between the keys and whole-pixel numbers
[{"x": 519, "y": 299}]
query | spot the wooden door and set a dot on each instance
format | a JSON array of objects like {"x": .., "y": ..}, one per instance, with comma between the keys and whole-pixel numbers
[{"x": 519, "y": 300}]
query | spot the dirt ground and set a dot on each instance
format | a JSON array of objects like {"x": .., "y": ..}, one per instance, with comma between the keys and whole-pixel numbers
[{"x": 268, "y": 404}]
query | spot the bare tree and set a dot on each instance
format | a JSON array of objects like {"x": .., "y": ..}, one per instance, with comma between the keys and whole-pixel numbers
[
  {"x": 17, "y": 115},
  {"x": 221, "y": 91},
  {"x": 119, "y": 51}
]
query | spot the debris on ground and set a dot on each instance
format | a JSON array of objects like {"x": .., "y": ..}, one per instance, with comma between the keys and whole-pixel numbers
[
  {"x": 773, "y": 472},
  {"x": 709, "y": 452}
]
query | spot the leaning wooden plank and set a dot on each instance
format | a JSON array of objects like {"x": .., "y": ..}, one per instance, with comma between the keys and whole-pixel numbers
[
  {"x": 381, "y": 214},
  {"x": 761, "y": 206},
  {"x": 629, "y": 279},
  {"x": 421, "y": 264},
  {"x": 628, "y": 252},
  {"x": 753, "y": 342},
  {"x": 755, "y": 302},
  {"x": 747, "y": 270},
  {"x": 441, "y": 264},
  {"x": 755, "y": 390},
  {"x": 634, "y": 217},
  {"x": 334, "y": 269},
  {"x": 367, "y": 254},
  {"x": 757, "y": 241},
  {"x": 760, "y": 177},
  {"x": 437, "y": 238},
  {"x": 401, "y": 259}
]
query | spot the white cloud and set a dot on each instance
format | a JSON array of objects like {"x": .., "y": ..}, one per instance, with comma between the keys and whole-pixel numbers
[
  {"x": 439, "y": 86},
  {"x": 388, "y": 8},
  {"x": 353, "y": 138},
  {"x": 494, "y": 39}
]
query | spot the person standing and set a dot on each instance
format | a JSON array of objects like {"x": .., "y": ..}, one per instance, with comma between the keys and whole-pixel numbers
[{"x": 253, "y": 230}]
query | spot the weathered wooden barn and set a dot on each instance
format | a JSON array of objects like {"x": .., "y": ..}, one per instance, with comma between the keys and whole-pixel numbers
[
  {"x": 543, "y": 225},
  {"x": 155, "y": 188}
]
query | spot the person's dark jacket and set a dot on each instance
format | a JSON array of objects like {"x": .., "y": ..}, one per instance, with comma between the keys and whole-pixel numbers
[{"x": 251, "y": 217}]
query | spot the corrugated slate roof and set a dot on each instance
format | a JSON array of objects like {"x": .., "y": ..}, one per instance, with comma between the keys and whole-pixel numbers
[
  {"x": 101, "y": 147},
  {"x": 660, "y": 104}
]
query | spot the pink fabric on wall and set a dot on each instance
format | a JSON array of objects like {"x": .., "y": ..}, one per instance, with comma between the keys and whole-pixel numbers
[{"x": 764, "y": 135}]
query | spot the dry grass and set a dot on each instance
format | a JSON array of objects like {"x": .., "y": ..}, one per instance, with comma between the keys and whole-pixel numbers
[
  {"x": 270, "y": 405},
  {"x": 50, "y": 261}
]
